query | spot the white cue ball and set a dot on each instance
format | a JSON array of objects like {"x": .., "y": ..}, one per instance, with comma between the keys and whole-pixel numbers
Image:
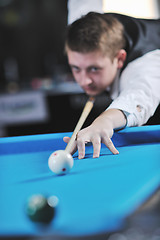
[{"x": 60, "y": 162}]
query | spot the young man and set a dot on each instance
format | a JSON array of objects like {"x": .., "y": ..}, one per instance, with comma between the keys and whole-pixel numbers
[{"x": 120, "y": 54}]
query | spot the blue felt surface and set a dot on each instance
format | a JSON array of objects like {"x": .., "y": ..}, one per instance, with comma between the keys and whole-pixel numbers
[{"x": 96, "y": 196}]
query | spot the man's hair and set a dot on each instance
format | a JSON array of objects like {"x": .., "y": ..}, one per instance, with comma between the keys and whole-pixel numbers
[{"x": 96, "y": 31}]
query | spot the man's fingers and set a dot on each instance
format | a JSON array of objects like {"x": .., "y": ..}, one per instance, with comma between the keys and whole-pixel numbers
[
  {"x": 81, "y": 149},
  {"x": 96, "y": 147},
  {"x": 74, "y": 147},
  {"x": 78, "y": 144},
  {"x": 96, "y": 141},
  {"x": 66, "y": 139},
  {"x": 108, "y": 142}
]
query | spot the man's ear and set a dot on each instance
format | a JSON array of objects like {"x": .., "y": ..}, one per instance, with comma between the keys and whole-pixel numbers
[{"x": 121, "y": 57}]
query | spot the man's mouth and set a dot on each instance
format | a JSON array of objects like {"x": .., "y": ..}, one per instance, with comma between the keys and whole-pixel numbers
[{"x": 91, "y": 90}]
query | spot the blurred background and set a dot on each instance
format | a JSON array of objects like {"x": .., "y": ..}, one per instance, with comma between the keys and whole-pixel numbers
[{"x": 37, "y": 91}]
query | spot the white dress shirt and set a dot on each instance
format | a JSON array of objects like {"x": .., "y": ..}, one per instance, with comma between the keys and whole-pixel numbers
[{"x": 137, "y": 91}]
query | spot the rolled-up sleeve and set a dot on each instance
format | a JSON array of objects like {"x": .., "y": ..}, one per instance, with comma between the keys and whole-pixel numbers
[{"x": 139, "y": 89}]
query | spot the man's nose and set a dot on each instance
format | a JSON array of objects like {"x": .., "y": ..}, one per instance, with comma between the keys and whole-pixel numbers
[{"x": 85, "y": 79}]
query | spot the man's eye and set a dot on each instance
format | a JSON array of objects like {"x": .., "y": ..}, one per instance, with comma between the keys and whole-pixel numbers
[
  {"x": 75, "y": 69},
  {"x": 94, "y": 69}
]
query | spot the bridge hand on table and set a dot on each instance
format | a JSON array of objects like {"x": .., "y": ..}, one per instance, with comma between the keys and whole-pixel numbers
[{"x": 94, "y": 135}]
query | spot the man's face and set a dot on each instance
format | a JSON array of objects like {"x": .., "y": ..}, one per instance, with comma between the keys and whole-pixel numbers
[{"x": 93, "y": 71}]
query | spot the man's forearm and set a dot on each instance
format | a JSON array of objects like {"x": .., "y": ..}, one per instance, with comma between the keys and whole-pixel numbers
[{"x": 114, "y": 117}]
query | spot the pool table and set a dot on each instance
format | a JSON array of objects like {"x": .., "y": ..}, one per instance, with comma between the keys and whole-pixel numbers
[{"x": 95, "y": 198}]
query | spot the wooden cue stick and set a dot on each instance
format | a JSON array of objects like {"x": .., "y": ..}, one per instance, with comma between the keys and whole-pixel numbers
[{"x": 87, "y": 108}]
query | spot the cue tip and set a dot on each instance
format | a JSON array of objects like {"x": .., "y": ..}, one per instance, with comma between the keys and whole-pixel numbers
[{"x": 91, "y": 99}]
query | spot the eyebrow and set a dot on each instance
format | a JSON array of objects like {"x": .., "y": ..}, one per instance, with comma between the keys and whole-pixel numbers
[
  {"x": 72, "y": 65},
  {"x": 89, "y": 67}
]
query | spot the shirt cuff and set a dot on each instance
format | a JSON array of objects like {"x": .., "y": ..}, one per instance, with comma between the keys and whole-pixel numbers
[{"x": 133, "y": 117}]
